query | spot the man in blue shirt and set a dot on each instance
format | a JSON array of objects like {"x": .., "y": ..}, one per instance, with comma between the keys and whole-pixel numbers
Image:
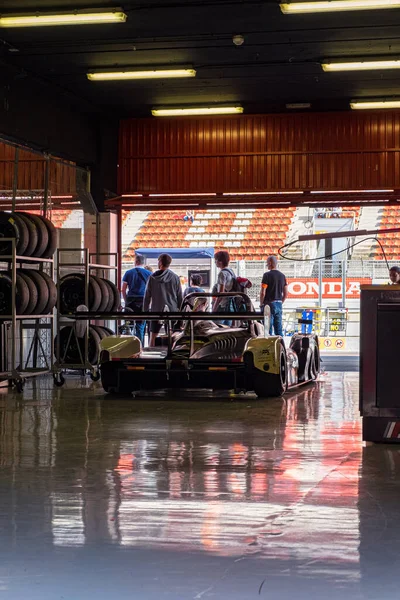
[{"x": 133, "y": 288}]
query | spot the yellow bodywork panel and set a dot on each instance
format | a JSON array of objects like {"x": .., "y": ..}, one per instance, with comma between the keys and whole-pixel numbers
[
  {"x": 121, "y": 346},
  {"x": 265, "y": 351}
]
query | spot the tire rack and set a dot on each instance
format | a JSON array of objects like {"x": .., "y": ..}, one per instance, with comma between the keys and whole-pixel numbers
[
  {"x": 17, "y": 375},
  {"x": 85, "y": 266}
]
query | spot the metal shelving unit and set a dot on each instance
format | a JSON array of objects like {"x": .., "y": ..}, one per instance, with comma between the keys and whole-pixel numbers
[
  {"x": 86, "y": 267},
  {"x": 16, "y": 374}
]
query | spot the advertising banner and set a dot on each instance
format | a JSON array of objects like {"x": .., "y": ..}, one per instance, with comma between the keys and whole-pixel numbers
[{"x": 331, "y": 288}]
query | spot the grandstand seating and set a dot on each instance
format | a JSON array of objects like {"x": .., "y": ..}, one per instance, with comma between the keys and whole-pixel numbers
[
  {"x": 247, "y": 234},
  {"x": 57, "y": 217},
  {"x": 390, "y": 241}
]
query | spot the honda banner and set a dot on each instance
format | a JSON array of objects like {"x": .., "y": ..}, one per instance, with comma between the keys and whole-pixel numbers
[{"x": 331, "y": 288}]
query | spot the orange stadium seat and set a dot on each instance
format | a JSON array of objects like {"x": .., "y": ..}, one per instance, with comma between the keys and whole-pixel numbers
[{"x": 259, "y": 232}]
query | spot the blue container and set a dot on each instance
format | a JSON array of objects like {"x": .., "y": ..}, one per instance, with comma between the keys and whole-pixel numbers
[{"x": 307, "y": 315}]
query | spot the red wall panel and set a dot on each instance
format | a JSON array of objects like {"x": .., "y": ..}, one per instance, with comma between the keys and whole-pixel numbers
[
  {"x": 32, "y": 169},
  {"x": 327, "y": 151}
]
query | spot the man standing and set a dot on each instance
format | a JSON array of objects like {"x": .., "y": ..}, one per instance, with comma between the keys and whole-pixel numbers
[
  {"x": 163, "y": 291},
  {"x": 133, "y": 288},
  {"x": 273, "y": 293},
  {"x": 225, "y": 283}
]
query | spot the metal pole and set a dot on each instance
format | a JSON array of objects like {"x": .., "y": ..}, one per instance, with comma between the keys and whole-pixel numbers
[
  {"x": 97, "y": 237},
  {"x": 119, "y": 248},
  {"x": 15, "y": 179},
  {"x": 46, "y": 186},
  {"x": 320, "y": 283},
  {"x": 344, "y": 271}
]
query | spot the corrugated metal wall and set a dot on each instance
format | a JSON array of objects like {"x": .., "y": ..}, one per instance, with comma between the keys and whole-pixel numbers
[
  {"x": 326, "y": 151},
  {"x": 31, "y": 171}
]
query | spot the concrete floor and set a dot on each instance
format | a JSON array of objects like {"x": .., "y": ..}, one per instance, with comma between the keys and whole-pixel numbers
[{"x": 189, "y": 498}]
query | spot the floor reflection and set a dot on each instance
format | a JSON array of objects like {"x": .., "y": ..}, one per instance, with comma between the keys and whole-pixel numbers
[{"x": 275, "y": 479}]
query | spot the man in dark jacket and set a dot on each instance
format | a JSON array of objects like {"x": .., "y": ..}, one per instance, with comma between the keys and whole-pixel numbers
[{"x": 163, "y": 292}]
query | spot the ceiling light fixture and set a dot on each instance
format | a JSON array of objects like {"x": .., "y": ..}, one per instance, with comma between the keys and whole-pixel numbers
[
  {"x": 362, "y": 65},
  {"x": 353, "y": 192},
  {"x": 212, "y": 110},
  {"x": 375, "y": 104},
  {"x": 79, "y": 17},
  {"x": 336, "y": 6},
  {"x": 179, "y": 195},
  {"x": 338, "y": 202},
  {"x": 150, "y": 74},
  {"x": 261, "y": 193},
  {"x": 157, "y": 205},
  {"x": 222, "y": 204},
  {"x": 298, "y": 105}
]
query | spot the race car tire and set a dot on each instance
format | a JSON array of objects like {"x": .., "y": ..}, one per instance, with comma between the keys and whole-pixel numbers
[
  {"x": 117, "y": 298},
  {"x": 111, "y": 298},
  {"x": 100, "y": 331},
  {"x": 33, "y": 294},
  {"x": 52, "y": 293},
  {"x": 43, "y": 235},
  {"x": 104, "y": 293},
  {"x": 108, "y": 330},
  {"x": 71, "y": 353},
  {"x": 42, "y": 291},
  {"x": 52, "y": 238},
  {"x": 267, "y": 384},
  {"x": 314, "y": 365},
  {"x": 72, "y": 293},
  {"x": 32, "y": 234},
  {"x": 21, "y": 297},
  {"x": 11, "y": 226}
]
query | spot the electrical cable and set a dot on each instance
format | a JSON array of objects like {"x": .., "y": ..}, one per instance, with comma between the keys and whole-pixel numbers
[{"x": 333, "y": 254}]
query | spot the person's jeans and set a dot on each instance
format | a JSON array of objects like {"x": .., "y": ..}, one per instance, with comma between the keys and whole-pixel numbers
[
  {"x": 276, "y": 318},
  {"x": 230, "y": 307},
  {"x": 139, "y": 326}
]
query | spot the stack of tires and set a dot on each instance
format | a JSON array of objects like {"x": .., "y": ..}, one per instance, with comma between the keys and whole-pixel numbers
[
  {"x": 35, "y": 294},
  {"x": 69, "y": 349},
  {"x": 103, "y": 294},
  {"x": 34, "y": 235}
]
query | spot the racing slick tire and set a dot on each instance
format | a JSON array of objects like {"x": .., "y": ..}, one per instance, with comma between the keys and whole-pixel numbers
[
  {"x": 267, "y": 384},
  {"x": 314, "y": 368}
]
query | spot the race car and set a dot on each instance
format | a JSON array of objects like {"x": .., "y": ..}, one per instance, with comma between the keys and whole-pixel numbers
[{"x": 202, "y": 354}]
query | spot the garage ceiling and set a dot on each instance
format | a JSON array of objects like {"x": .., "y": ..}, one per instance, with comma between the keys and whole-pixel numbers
[{"x": 278, "y": 63}]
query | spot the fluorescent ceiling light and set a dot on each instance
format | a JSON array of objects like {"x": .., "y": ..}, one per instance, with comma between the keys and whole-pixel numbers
[
  {"x": 375, "y": 104},
  {"x": 215, "y": 110},
  {"x": 298, "y": 105},
  {"x": 222, "y": 204},
  {"x": 132, "y": 196},
  {"x": 364, "y": 65},
  {"x": 94, "y": 17},
  {"x": 337, "y": 6},
  {"x": 338, "y": 202},
  {"x": 261, "y": 193},
  {"x": 154, "y": 74},
  {"x": 353, "y": 192},
  {"x": 178, "y": 195},
  {"x": 157, "y": 205}
]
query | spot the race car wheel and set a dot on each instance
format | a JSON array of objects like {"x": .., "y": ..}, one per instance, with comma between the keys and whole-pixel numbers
[
  {"x": 267, "y": 384},
  {"x": 314, "y": 365}
]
